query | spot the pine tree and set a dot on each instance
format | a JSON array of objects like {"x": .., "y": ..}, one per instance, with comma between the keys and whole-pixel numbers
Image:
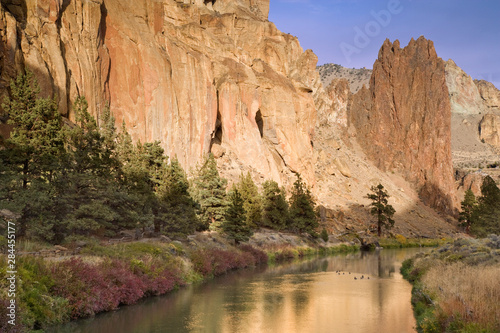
[
  {"x": 252, "y": 201},
  {"x": 467, "y": 215},
  {"x": 90, "y": 195},
  {"x": 302, "y": 215},
  {"x": 36, "y": 141},
  {"x": 180, "y": 208},
  {"x": 210, "y": 193},
  {"x": 135, "y": 177},
  {"x": 234, "y": 224},
  {"x": 274, "y": 206},
  {"x": 32, "y": 156},
  {"x": 487, "y": 214},
  {"x": 152, "y": 168},
  {"x": 380, "y": 208}
]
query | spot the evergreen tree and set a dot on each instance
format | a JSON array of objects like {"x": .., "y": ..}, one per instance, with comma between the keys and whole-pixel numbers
[
  {"x": 302, "y": 215},
  {"x": 274, "y": 206},
  {"x": 380, "y": 208},
  {"x": 136, "y": 179},
  {"x": 469, "y": 206},
  {"x": 234, "y": 224},
  {"x": 210, "y": 193},
  {"x": 487, "y": 214},
  {"x": 90, "y": 195},
  {"x": 252, "y": 202},
  {"x": 32, "y": 156},
  {"x": 180, "y": 209},
  {"x": 151, "y": 167},
  {"x": 36, "y": 141}
]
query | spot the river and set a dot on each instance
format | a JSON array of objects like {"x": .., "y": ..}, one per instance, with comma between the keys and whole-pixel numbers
[{"x": 360, "y": 292}]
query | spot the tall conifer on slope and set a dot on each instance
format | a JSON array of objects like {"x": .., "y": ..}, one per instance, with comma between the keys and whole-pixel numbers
[
  {"x": 487, "y": 212},
  {"x": 180, "y": 208},
  {"x": 274, "y": 206},
  {"x": 210, "y": 193},
  {"x": 32, "y": 156},
  {"x": 381, "y": 208},
  {"x": 36, "y": 141},
  {"x": 302, "y": 215},
  {"x": 234, "y": 224},
  {"x": 252, "y": 201}
]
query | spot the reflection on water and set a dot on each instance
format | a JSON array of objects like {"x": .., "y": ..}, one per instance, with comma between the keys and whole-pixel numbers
[{"x": 319, "y": 295}]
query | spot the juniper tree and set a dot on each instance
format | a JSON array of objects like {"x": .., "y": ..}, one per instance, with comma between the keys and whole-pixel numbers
[
  {"x": 210, "y": 193},
  {"x": 380, "y": 208},
  {"x": 235, "y": 225},
  {"x": 274, "y": 206},
  {"x": 302, "y": 215}
]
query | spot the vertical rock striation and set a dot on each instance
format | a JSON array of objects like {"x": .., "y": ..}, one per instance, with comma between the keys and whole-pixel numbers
[{"x": 403, "y": 121}]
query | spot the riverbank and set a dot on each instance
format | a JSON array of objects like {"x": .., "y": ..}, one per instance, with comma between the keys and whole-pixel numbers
[
  {"x": 456, "y": 286},
  {"x": 104, "y": 276}
]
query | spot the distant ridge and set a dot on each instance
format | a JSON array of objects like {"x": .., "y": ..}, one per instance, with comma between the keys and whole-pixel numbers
[{"x": 355, "y": 76}]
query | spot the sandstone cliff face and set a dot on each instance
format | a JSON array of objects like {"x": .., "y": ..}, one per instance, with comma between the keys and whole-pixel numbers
[
  {"x": 464, "y": 94},
  {"x": 489, "y": 129},
  {"x": 489, "y": 93},
  {"x": 196, "y": 75},
  {"x": 403, "y": 120}
]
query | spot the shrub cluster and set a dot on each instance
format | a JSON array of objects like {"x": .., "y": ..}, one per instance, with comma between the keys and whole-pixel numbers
[{"x": 214, "y": 261}]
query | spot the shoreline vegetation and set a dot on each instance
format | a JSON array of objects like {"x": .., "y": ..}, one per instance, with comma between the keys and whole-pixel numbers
[
  {"x": 102, "y": 277},
  {"x": 456, "y": 286}
]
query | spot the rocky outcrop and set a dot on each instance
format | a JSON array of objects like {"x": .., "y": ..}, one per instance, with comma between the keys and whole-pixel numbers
[
  {"x": 193, "y": 74},
  {"x": 489, "y": 93},
  {"x": 489, "y": 129},
  {"x": 339, "y": 93},
  {"x": 464, "y": 94},
  {"x": 473, "y": 181},
  {"x": 403, "y": 120}
]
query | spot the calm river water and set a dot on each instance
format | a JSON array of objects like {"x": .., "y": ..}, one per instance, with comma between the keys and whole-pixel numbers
[{"x": 317, "y": 295}]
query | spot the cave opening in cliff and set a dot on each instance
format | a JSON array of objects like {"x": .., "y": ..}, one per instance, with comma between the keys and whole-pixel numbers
[
  {"x": 260, "y": 123},
  {"x": 217, "y": 133},
  {"x": 206, "y": 2}
]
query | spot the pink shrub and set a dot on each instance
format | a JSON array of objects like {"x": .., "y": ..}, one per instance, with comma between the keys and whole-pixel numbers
[
  {"x": 160, "y": 280},
  {"x": 202, "y": 262},
  {"x": 84, "y": 286},
  {"x": 259, "y": 255},
  {"x": 216, "y": 261},
  {"x": 127, "y": 287},
  {"x": 94, "y": 288}
]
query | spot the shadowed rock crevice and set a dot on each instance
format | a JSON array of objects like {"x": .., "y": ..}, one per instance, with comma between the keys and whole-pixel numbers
[{"x": 260, "y": 123}]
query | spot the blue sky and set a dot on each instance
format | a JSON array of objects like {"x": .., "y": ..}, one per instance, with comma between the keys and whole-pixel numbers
[{"x": 350, "y": 32}]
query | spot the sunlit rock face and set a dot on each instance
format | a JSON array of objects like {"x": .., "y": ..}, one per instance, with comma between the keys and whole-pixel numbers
[
  {"x": 489, "y": 129},
  {"x": 403, "y": 120},
  {"x": 193, "y": 74},
  {"x": 464, "y": 94},
  {"x": 489, "y": 93}
]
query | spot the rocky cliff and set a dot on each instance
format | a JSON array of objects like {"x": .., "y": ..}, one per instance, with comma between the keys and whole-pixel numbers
[
  {"x": 464, "y": 94},
  {"x": 403, "y": 120},
  {"x": 216, "y": 76},
  {"x": 489, "y": 93},
  {"x": 197, "y": 75}
]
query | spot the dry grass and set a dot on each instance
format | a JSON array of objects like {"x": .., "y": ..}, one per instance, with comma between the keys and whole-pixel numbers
[{"x": 472, "y": 292}]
